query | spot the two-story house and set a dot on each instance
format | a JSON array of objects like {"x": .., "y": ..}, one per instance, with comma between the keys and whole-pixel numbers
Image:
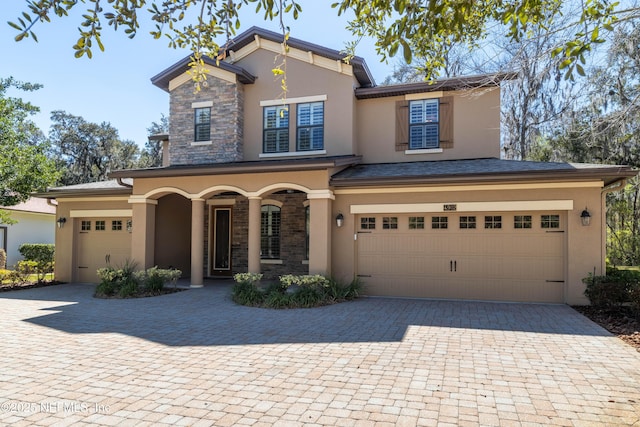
[{"x": 401, "y": 186}]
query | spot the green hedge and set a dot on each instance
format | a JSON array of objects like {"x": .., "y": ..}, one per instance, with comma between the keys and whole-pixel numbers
[{"x": 37, "y": 256}]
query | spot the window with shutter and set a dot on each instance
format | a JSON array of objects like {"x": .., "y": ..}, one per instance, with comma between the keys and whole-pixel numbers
[{"x": 424, "y": 124}]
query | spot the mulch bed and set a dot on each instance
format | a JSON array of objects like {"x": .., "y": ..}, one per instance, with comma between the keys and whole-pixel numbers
[
  {"x": 619, "y": 322},
  {"x": 14, "y": 287}
]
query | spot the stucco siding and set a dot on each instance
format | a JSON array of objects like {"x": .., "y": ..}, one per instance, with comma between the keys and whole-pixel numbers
[{"x": 30, "y": 228}]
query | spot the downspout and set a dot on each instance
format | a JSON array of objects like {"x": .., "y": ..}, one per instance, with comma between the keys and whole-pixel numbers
[
  {"x": 616, "y": 186},
  {"x": 124, "y": 184}
]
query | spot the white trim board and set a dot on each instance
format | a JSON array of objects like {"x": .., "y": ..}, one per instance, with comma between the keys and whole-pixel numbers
[
  {"x": 103, "y": 213},
  {"x": 505, "y": 206}
]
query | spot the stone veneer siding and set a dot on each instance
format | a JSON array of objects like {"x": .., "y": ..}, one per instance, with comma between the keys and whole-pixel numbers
[
  {"x": 227, "y": 123},
  {"x": 292, "y": 237}
]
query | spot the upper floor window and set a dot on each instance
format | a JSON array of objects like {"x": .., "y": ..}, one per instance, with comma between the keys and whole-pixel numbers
[
  {"x": 276, "y": 129},
  {"x": 202, "y": 124},
  {"x": 310, "y": 132},
  {"x": 423, "y": 124}
]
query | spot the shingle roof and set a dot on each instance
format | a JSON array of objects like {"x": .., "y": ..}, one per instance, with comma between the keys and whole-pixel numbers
[
  {"x": 90, "y": 188},
  {"x": 470, "y": 170},
  {"x": 163, "y": 78},
  {"x": 35, "y": 205}
]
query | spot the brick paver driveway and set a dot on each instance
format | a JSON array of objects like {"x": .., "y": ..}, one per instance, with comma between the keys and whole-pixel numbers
[{"x": 195, "y": 358}]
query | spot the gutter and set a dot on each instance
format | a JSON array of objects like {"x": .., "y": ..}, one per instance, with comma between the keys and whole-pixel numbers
[{"x": 121, "y": 182}]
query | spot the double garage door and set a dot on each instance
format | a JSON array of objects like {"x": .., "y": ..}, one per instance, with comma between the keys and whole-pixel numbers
[
  {"x": 498, "y": 256},
  {"x": 100, "y": 242}
]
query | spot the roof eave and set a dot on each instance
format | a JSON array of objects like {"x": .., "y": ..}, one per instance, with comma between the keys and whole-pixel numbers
[
  {"x": 235, "y": 168},
  {"x": 455, "y": 83},
  {"x": 54, "y": 194},
  {"x": 607, "y": 176}
]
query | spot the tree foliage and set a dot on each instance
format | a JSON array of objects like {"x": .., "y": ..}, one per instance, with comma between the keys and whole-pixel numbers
[
  {"x": 605, "y": 128},
  {"x": 417, "y": 28},
  {"x": 24, "y": 166},
  {"x": 87, "y": 152},
  {"x": 151, "y": 155}
]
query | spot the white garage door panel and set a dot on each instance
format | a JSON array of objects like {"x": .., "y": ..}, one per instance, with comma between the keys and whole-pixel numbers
[
  {"x": 503, "y": 264},
  {"x": 95, "y": 248}
]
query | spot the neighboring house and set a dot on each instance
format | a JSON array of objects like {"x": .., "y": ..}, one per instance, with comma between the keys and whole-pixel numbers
[
  {"x": 35, "y": 224},
  {"x": 400, "y": 186}
]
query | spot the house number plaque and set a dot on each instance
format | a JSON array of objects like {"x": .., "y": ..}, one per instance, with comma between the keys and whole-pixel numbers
[{"x": 450, "y": 208}]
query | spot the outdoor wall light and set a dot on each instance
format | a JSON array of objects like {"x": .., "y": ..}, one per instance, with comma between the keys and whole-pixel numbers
[
  {"x": 61, "y": 221},
  {"x": 339, "y": 220},
  {"x": 129, "y": 225},
  {"x": 585, "y": 217}
]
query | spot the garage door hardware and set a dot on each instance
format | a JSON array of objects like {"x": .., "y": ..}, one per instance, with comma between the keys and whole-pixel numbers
[{"x": 453, "y": 265}]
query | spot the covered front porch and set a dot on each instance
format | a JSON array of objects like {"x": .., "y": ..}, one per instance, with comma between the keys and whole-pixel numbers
[{"x": 213, "y": 224}]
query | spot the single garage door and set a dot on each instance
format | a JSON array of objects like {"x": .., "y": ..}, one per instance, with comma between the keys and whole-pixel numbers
[
  {"x": 100, "y": 242},
  {"x": 497, "y": 256}
]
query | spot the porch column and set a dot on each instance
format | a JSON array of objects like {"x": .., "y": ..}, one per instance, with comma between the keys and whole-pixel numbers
[
  {"x": 197, "y": 242},
  {"x": 143, "y": 232},
  {"x": 255, "y": 205},
  {"x": 320, "y": 223}
]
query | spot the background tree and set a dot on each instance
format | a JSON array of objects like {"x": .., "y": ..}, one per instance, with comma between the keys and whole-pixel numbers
[
  {"x": 422, "y": 29},
  {"x": 151, "y": 155},
  {"x": 87, "y": 152},
  {"x": 604, "y": 127},
  {"x": 24, "y": 166}
]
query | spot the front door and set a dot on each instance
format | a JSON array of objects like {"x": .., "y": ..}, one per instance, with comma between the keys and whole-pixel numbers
[{"x": 220, "y": 254}]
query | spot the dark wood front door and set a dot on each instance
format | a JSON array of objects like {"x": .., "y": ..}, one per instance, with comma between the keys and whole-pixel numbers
[{"x": 220, "y": 262}]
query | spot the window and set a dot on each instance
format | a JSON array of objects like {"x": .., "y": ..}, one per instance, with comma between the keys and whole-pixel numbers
[
  {"x": 202, "y": 124},
  {"x": 416, "y": 223},
  {"x": 276, "y": 129},
  {"x": 522, "y": 221},
  {"x": 467, "y": 222},
  {"x": 550, "y": 221},
  {"x": 100, "y": 226},
  {"x": 423, "y": 124},
  {"x": 493, "y": 221},
  {"x": 310, "y": 126},
  {"x": 368, "y": 223},
  {"x": 390, "y": 223},
  {"x": 116, "y": 225},
  {"x": 270, "y": 232},
  {"x": 85, "y": 226},
  {"x": 439, "y": 222},
  {"x": 307, "y": 228}
]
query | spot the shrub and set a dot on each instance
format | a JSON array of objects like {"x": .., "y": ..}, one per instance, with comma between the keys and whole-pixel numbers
[
  {"x": 610, "y": 291},
  {"x": 634, "y": 298},
  {"x": 3, "y": 259},
  {"x": 40, "y": 253},
  {"x": 292, "y": 291},
  {"x": 126, "y": 282},
  {"x": 153, "y": 279},
  {"x": 247, "y": 293}
]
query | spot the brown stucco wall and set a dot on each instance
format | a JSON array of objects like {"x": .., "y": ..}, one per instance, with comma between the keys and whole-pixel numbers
[
  {"x": 476, "y": 122},
  {"x": 303, "y": 79},
  {"x": 173, "y": 233},
  {"x": 65, "y": 237},
  {"x": 583, "y": 244}
]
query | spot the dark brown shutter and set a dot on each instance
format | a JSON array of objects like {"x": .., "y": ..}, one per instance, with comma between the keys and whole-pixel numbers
[
  {"x": 446, "y": 122},
  {"x": 402, "y": 125}
]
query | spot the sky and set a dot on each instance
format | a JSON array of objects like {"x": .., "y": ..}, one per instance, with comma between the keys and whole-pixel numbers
[{"x": 114, "y": 86}]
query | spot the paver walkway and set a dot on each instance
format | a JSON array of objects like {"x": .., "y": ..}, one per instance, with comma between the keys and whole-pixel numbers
[{"x": 195, "y": 358}]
